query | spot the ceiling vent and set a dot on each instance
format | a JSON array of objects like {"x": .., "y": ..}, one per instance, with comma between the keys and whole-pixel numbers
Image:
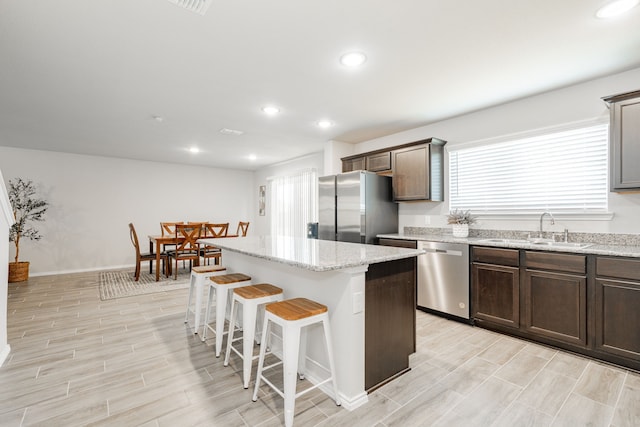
[{"x": 196, "y": 6}]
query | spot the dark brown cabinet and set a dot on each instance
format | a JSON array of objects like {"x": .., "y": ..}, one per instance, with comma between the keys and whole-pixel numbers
[
  {"x": 380, "y": 162},
  {"x": 416, "y": 168},
  {"x": 624, "y": 140},
  {"x": 617, "y": 307},
  {"x": 496, "y": 286},
  {"x": 555, "y": 296},
  {"x": 418, "y": 172},
  {"x": 389, "y": 317},
  {"x": 353, "y": 164}
]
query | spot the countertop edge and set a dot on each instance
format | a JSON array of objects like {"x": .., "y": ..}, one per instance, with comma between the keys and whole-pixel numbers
[{"x": 594, "y": 249}]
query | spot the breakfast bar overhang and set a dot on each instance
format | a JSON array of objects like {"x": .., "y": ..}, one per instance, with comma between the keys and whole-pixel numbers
[{"x": 346, "y": 277}]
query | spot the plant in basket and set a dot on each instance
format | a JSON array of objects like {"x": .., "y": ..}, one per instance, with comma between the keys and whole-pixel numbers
[
  {"x": 460, "y": 220},
  {"x": 27, "y": 208}
]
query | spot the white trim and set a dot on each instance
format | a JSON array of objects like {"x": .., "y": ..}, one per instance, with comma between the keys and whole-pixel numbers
[
  {"x": 568, "y": 216},
  {"x": 83, "y": 270},
  {"x": 5, "y": 204},
  {"x": 4, "y": 354}
]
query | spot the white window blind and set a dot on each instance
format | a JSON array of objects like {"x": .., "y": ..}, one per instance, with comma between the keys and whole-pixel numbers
[
  {"x": 562, "y": 171},
  {"x": 292, "y": 203}
]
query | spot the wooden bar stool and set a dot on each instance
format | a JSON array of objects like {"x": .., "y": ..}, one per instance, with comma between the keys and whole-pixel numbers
[
  {"x": 220, "y": 286},
  {"x": 251, "y": 298},
  {"x": 198, "y": 276},
  {"x": 292, "y": 315}
]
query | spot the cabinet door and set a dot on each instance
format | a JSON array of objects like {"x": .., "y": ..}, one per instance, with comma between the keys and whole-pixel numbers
[
  {"x": 356, "y": 164},
  {"x": 625, "y": 144},
  {"x": 411, "y": 173},
  {"x": 379, "y": 162},
  {"x": 555, "y": 306},
  {"x": 496, "y": 294},
  {"x": 617, "y": 312}
]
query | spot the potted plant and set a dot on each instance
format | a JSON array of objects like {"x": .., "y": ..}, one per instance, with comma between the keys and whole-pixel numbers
[
  {"x": 26, "y": 209},
  {"x": 460, "y": 220}
]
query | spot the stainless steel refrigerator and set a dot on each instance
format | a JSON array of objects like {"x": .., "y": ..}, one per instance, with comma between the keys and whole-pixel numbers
[{"x": 356, "y": 207}]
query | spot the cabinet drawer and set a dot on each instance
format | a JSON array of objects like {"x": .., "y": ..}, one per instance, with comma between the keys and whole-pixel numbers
[
  {"x": 496, "y": 256},
  {"x": 379, "y": 162},
  {"x": 555, "y": 261},
  {"x": 618, "y": 267},
  {"x": 398, "y": 243}
]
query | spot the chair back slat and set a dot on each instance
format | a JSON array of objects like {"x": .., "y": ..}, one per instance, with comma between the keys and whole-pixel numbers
[
  {"x": 188, "y": 234},
  {"x": 243, "y": 227},
  {"x": 134, "y": 239},
  {"x": 169, "y": 228},
  {"x": 216, "y": 230}
]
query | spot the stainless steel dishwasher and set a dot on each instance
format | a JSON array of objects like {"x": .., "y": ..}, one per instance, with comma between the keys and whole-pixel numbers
[{"x": 443, "y": 278}]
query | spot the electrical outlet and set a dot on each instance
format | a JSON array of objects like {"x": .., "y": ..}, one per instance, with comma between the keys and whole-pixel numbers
[
  {"x": 358, "y": 302},
  {"x": 427, "y": 220}
]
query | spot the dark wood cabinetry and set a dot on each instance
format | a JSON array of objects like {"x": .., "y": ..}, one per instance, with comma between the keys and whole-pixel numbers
[
  {"x": 354, "y": 164},
  {"x": 418, "y": 173},
  {"x": 624, "y": 141},
  {"x": 390, "y": 317},
  {"x": 585, "y": 303},
  {"x": 555, "y": 296},
  {"x": 496, "y": 286},
  {"x": 417, "y": 168},
  {"x": 617, "y": 307}
]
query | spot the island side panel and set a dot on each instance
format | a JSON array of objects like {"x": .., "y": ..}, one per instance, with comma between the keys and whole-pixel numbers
[
  {"x": 390, "y": 320},
  {"x": 336, "y": 290}
]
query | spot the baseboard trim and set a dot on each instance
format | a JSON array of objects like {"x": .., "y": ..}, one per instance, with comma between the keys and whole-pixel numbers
[{"x": 4, "y": 354}]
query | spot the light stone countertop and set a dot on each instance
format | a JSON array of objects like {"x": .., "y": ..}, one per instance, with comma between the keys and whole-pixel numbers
[
  {"x": 595, "y": 248},
  {"x": 311, "y": 254}
]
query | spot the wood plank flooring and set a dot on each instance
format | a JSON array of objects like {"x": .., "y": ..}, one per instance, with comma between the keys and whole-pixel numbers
[{"x": 76, "y": 360}]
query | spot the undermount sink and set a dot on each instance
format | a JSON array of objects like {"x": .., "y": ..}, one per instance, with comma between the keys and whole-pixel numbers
[
  {"x": 519, "y": 241},
  {"x": 563, "y": 244},
  {"x": 539, "y": 242}
]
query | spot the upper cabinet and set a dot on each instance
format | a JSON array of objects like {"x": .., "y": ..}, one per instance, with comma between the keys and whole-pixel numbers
[
  {"x": 417, "y": 168},
  {"x": 624, "y": 139}
]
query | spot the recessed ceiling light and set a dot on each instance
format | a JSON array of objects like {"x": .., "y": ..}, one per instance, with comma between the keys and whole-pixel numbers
[
  {"x": 194, "y": 150},
  {"x": 353, "y": 59},
  {"x": 270, "y": 110},
  {"x": 615, "y": 8},
  {"x": 252, "y": 157},
  {"x": 324, "y": 123},
  {"x": 226, "y": 131},
  {"x": 157, "y": 118}
]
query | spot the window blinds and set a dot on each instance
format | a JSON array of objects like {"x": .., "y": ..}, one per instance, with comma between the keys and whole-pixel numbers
[
  {"x": 292, "y": 203},
  {"x": 561, "y": 172}
]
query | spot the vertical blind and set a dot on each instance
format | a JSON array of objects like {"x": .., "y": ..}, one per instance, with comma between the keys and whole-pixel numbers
[
  {"x": 561, "y": 171},
  {"x": 292, "y": 203}
]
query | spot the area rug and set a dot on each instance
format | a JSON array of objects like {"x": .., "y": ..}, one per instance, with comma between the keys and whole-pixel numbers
[{"x": 121, "y": 284}]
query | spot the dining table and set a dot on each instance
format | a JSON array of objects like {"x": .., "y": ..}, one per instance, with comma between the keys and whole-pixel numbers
[{"x": 156, "y": 242}]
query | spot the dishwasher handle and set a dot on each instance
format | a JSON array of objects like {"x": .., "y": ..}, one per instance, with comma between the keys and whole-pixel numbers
[{"x": 443, "y": 251}]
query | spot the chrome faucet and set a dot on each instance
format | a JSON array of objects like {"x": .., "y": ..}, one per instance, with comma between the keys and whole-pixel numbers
[{"x": 542, "y": 217}]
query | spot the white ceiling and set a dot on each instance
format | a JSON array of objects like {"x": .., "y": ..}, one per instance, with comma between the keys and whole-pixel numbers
[{"x": 87, "y": 77}]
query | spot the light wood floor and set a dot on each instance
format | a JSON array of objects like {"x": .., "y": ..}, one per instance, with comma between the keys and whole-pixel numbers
[{"x": 77, "y": 360}]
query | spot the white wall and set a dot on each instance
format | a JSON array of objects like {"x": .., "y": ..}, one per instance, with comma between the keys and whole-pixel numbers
[
  {"x": 571, "y": 104},
  {"x": 93, "y": 199},
  {"x": 290, "y": 167}
]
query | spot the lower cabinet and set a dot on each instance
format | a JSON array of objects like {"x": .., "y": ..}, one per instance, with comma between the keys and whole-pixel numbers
[
  {"x": 555, "y": 296},
  {"x": 617, "y": 307},
  {"x": 496, "y": 286},
  {"x": 584, "y": 303}
]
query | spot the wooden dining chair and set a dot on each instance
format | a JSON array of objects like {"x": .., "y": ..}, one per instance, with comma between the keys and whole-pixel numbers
[
  {"x": 212, "y": 231},
  {"x": 140, "y": 257},
  {"x": 187, "y": 246},
  {"x": 243, "y": 227}
]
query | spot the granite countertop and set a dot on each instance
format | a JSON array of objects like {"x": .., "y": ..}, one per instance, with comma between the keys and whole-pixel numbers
[
  {"x": 311, "y": 254},
  {"x": 593, "y": 248}
]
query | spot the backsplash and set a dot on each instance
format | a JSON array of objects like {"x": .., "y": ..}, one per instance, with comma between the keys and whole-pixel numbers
[{"x": 595, "y": 238}]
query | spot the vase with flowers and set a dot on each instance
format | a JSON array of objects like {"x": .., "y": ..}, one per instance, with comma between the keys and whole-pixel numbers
[{"x": 460, "y": 220}]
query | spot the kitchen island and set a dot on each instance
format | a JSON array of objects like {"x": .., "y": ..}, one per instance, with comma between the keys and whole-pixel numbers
[{"x": 364, "y": 287}]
